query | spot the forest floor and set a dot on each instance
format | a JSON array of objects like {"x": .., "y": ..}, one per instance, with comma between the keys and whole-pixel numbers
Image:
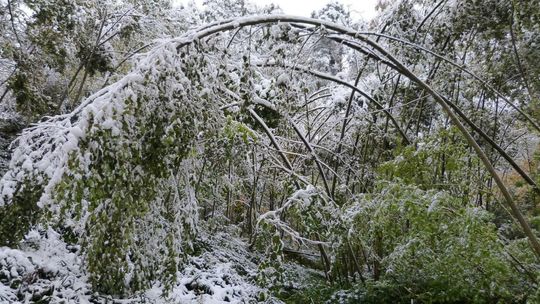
[{"x": 45, "y": 268}]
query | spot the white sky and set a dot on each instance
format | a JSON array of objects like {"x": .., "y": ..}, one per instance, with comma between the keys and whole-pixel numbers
[{"x": 358, "y": 8}]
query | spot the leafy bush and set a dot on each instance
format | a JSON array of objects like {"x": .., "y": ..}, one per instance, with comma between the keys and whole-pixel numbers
[{"x": 431, "y": 245}]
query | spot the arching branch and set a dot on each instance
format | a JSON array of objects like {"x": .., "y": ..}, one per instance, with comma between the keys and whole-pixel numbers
[
  {"x": 470, "y": 140},
  {"x": 529, "y": 119},
  {"x": 355, "y": 35}
]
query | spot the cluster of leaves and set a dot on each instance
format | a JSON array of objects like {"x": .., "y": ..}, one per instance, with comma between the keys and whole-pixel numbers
[{"x": 434, "y": 247}]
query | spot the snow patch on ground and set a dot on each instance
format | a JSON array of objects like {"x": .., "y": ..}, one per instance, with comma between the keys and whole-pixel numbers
[{"x": 46, "y": 268}]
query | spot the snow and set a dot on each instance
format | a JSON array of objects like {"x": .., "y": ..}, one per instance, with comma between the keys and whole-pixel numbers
[
  {"x": 432, "y": 206},
  {"x": 44, "y": 267},
  {"x": 224, "y": 273},
  {"x": 283, "y": 79}
]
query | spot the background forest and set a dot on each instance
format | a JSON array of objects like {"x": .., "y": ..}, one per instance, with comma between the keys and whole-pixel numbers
[{"x": 229, "y": 153}]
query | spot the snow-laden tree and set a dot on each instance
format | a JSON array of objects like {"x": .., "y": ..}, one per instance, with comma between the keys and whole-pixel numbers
[
  {"x": 231, "y": 122},
  {"x": 58, "y": 52}
]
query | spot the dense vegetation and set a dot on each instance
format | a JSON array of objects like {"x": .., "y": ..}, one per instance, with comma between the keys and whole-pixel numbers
[{"x": 233, "y": 154}]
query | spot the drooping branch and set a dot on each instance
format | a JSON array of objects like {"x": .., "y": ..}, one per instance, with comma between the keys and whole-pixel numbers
[
  {"x": 477, "y": 129},
  {"x": 355, "y": 35},
  {"x": 471, "y": 141},
  {"x": 493, "y": 144},
  {"x": 529, "y": 119}
]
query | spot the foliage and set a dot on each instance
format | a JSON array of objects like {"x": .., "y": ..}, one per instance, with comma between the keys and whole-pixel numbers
[
  {"x": 433, "y": 247},
  {"x": 438, "y": 162},
  {"x": 316, "y": 139},
  {"x": 124, "y": 183}
]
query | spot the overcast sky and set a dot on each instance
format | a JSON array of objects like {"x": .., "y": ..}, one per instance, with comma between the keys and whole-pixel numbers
[{"x": 359, "y": 8}]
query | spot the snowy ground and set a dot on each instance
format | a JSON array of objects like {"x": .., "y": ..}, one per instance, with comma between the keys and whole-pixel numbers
[{"x": 47, "y": 269}]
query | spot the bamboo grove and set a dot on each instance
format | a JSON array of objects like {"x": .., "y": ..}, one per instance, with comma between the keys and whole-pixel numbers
[{"x": 398, "y": 158}]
